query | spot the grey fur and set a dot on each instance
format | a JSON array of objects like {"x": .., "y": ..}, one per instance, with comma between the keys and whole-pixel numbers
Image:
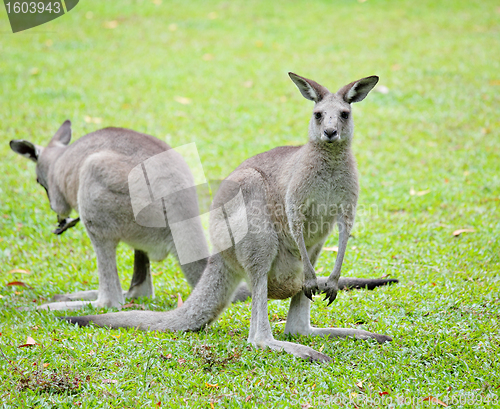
[
  {"x": 91, "y": 177},
  {"x": 281, "y": 188}
]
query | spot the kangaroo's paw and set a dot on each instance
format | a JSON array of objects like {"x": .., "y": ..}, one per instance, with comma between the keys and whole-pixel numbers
[
  {"x": 297, "y": 350},
  {"x": 310, "y": 287},
  {"x": 330, "y": 289}
]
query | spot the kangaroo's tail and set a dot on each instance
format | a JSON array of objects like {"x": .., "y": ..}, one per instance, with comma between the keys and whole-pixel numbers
[
  {"x": 209, "y": 298},
  {"x": 348, "y": 283}
]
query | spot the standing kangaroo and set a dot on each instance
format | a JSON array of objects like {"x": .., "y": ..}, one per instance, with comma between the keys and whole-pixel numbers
[
  {"x": 288, "y": 192},
  {"x": 91, "y": 176}
]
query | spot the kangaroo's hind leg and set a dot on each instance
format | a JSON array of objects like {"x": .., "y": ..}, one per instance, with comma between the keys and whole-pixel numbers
[
  {"x": 298, "y": 323},
  {"x": 141, "y": 284}
]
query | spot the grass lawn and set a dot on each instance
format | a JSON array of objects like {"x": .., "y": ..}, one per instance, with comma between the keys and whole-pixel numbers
[{"x": 215, "y": 73}]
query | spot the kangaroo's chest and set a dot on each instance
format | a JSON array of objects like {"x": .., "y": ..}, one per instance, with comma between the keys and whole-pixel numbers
[{"x": 327, "y": 197}]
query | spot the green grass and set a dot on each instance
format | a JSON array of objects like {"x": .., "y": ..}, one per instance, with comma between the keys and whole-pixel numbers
[{"x": 437, "y": 131}]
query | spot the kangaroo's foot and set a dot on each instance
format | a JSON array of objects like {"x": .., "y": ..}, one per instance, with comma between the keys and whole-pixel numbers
[
  {"x": 90, "y": 295},
  {"x": 297, "y": 350},
  {"x": 76, "y": 305},
  {"x": 298, "y": 323},
  {"x": 66, "y": 305}
]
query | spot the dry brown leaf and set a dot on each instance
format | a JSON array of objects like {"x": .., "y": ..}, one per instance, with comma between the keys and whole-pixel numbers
[
  {"x": 249, "y": 397},
  {"x": 19, "y": 270},
  {"x": 434, "y": 400},
  {"x": 181, "y": 361},
  {"x": 172, "y": 27},
  {"x": 495, "y": 82},
  {"x": 182, "y": 100},
  {"x": 29, "y": 343},
  {"x": 179, "y": 300},
  {"x": 111, "y": 24},
  {"x": 207, "y": 57},
  {"x": 319, "y": 270},
  {"x": 460, "y": 231},
  {"x": 413, "y": 192},
  {"x": 210, "y": 385},
  {"x": 19, "y": 283},
  {"x": 95, "y": 120},
  {"x": 334, "y": 248}
]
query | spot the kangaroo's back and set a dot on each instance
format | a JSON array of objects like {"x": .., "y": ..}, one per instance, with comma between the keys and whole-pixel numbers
[{"x": 134, "y": 146}]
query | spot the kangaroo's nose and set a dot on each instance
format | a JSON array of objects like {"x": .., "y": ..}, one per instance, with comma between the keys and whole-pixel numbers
[{"x": 330, "y": 133}]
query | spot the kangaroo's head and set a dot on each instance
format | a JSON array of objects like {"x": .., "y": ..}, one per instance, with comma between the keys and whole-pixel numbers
[
  {"x": 331, "y": 121},
  {"x": 45, "y": 157}
]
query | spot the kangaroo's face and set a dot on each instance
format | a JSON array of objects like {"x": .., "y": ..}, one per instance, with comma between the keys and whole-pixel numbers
[
  {"x": 44, "y": 157},
  {"x": 331, "y": 121}
]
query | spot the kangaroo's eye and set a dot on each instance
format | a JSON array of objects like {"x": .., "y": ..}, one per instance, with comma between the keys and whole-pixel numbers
[
  {"x": 37, "y": 180},
  {"x": 317, "y": 115},
  {"x": 344, "y": 114}
]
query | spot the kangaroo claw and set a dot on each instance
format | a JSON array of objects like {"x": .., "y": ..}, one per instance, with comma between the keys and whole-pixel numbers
[
  {"x": 308, "y": 292},
  {"x": 330, "y": 295}
]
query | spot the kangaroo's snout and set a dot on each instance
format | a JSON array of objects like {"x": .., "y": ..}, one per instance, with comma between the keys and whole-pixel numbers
[{"x": 330, "y": 135}]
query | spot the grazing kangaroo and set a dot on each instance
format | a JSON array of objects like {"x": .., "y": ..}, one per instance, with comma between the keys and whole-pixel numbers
[
  {"x": 91, "y": 176},
  {"x": 293, "y": 196}
]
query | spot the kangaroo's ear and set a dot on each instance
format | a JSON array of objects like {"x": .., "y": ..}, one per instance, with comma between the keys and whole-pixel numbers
[
  {"x": 308, "y": 88},
  {"x": 63, "y": 134},
  {"x": 26, "y": 149},
  {"x": 357, "y": 91}
]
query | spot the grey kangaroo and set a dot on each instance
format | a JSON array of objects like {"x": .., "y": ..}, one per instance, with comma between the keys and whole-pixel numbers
[
  {"x": 91, "y": 176},
  {"x": 288, "y": 192}
]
